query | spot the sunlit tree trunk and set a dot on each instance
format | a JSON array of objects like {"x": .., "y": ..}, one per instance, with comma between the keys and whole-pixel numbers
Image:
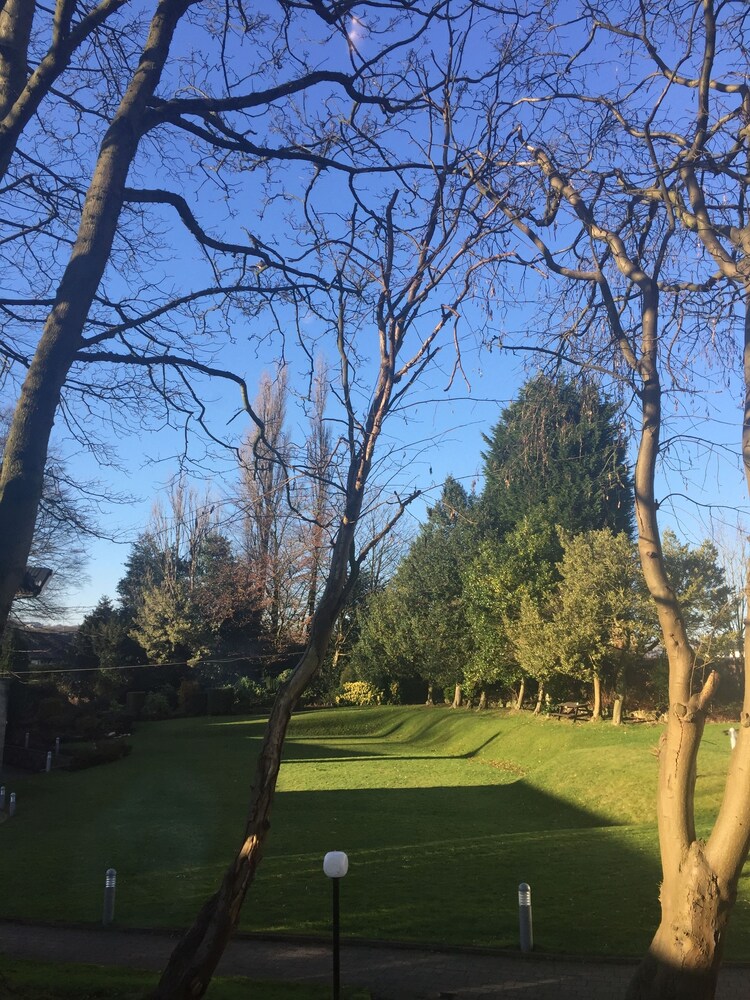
[
  {"x": 539, "y": 699},
  {"x": 596, "y": 712}
]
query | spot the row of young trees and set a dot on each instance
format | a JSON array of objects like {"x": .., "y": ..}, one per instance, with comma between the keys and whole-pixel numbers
[{"x": 538, "y": 578}]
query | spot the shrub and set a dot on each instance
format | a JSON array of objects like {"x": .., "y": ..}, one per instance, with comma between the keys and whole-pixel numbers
[
  {"x": 55, "y": 715},
  {"x": 191, "y": 699},
  {"x": 103, "y": 753},
  {"x": 88, "y": 727},
  {"x": 359, "y": 693},
  {"x": 249, "y": 694},
  {"x": 156, "y": 706},
  {"x": 220, "y": 701},
  {"x": 134, "y": 701},
  {"x": 274, "y": 682}
]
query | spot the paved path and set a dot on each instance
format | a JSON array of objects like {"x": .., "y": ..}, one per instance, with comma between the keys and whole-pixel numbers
[{"x": 389, "y": 972}]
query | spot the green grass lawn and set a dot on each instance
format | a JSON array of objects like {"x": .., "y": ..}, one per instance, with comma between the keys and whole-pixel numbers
[{"x": 442, "y": 814}]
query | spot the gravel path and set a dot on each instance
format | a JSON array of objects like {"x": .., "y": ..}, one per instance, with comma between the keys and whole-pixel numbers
[{"x": 390, "y": 972}]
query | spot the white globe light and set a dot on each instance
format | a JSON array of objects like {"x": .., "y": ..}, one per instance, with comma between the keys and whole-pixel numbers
[{"x": 335, "y": 864}]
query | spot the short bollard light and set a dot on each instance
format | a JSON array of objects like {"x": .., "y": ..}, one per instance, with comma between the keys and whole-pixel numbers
[
  {"x": 48, "y": 765},
  {"x": 57, "y": 746},
  {"x": 732, "y": 738},
  {"x": 110, "y": 884},
  {"x": 26, "y": 739},
  {"x": 2, "y": 797},
  {"x": 526, "y": 931},
  {"x": 12, "y": 804},
  {"x": 335, "y": 866}
]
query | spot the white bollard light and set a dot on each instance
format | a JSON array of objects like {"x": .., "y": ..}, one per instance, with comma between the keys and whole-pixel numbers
[
  {"x": 110, "y": 885},
  {"x": 12, "y": 805},
  {"x": 48, "y": 766},
  {"x": 526, "y": 931}
]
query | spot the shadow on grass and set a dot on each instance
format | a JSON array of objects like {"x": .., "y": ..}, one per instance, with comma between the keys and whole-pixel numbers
[
  {"x": 443, "y": 865},
  {"x": 300, "y": 751}
]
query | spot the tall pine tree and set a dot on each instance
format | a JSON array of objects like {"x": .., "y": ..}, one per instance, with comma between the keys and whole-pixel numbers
[{"x": 557, "y": 452}]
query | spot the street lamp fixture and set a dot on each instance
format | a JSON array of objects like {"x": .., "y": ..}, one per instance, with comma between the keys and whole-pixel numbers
[{"x": 335, "y": 866}]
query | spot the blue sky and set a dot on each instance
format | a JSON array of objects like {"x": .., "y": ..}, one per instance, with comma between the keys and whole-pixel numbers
[{"x": 440, "y": 431}]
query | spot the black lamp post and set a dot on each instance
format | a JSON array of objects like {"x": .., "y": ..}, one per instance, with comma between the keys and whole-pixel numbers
[{"x": 335, "y": 866}]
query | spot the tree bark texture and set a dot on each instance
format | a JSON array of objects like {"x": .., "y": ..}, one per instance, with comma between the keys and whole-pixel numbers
[
  {"x": 539, "y": 699},
  {"x": 521, "y": 693},
  {"x": 596, "y": 713},
  {"x": 700, "y": 880},
  {"x": 457, "y": 697},
  {"x": 617, "y": 710}
]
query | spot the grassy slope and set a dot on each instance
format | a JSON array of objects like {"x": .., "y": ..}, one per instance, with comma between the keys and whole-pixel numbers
[{"x": 441, "y": 813}]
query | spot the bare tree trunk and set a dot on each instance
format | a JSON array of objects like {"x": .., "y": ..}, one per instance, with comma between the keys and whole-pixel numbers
[
  {"x": 192, "y": 963},
  {"x": 617, "y": 710},
  {"x": 430, "y": 693},
  {"x": 457, "y": 695},
  {"x": 482, "y": 700},
  {"x": 521, "y": 693},
  {"x": 685, "y": 954},
  {"x": 539, "y": 699},
  {"x": 16, "y": 19},
  {"x": 596, "y": 713}
]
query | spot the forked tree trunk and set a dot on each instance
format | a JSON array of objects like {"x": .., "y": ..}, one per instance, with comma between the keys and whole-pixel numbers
[
  {"x": 685, "y": 954},
  {"x": 699, "y": 883},
  {"x": 521, "y": 693}
]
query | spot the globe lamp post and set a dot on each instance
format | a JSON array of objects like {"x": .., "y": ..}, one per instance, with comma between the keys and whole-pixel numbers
[{"x": 335, "y": 866}]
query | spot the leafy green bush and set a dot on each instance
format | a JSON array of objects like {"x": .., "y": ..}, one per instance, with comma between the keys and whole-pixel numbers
[
  {"x": 191, "y": 698},
  {"x": 102, "y": 753},
  {"x": 249, "y": 694},
  {"x": 220, "y": 701},
  {"x": 88, "y": 727},
  {"x": 156, "y": 706},
  {"x": 359, "y": 693},
  {"x": 274, "y": 682}
]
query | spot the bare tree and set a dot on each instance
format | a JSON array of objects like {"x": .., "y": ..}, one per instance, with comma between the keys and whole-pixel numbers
[
  {"x": 636, "y": 184},
  {"x": 271, "y": 536},
  {"x": 152, "y": 118},
  {"x": 213, "y": 102},
  {"x": 320, "y": 470},
  {"x": 407, "y": 261}
]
